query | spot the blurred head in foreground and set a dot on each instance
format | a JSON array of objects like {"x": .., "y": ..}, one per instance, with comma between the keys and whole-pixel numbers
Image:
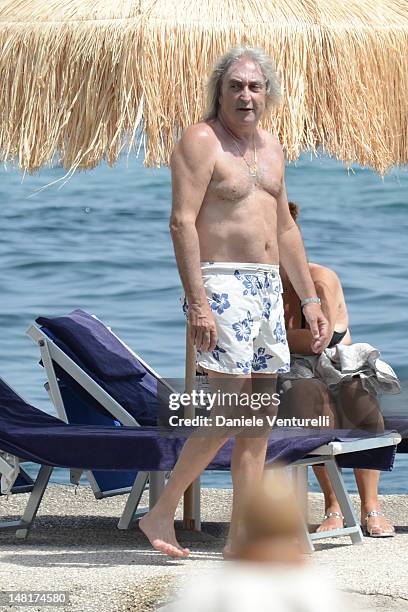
[
  {"x": 271, "y": 526},
  {"x": 268, "y": 574}
]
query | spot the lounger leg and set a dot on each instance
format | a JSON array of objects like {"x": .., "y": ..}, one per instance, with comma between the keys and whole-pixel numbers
[
  {"x": 306, "y": 543},
  {"x": 24, "y": 524},
  {"x": 344, "y": 501},
  {"x": 133, "y": 501},
  {"x": 300, "y": 477},
  {"x": 75, "y": 476},
  {"x": 34, "y": 500}
]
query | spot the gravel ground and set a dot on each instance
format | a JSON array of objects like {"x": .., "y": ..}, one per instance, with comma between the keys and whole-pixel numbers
[{"x": 75, "y": 546}]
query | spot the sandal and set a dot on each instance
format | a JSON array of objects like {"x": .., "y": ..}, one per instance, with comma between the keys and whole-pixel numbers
[
  {"x": 329, "y": 515},
  {"x": 369, "y": 532}
]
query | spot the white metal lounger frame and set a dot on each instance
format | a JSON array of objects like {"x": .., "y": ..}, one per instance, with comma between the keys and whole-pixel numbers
[
  {"x": 22, "y": 526},
  {"x": 9, "y": 471},
  {"x": 50, "y": 353},
  {"x": 323, "y": 455},
  {"x": 326, "y": 455}
]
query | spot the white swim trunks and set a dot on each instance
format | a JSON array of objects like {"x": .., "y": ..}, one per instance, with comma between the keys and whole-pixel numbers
[{"x": 246, "y": 300}]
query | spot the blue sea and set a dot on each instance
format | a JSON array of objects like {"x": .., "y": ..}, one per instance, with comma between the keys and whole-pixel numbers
[{"x": 100, "y": 242}]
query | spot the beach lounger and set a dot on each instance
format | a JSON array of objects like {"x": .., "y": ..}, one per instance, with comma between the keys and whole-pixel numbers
[
  {"x": 93, "y": 378},
  {"x": 28, "y": 434},
  {"x": 70, "y": 348}
]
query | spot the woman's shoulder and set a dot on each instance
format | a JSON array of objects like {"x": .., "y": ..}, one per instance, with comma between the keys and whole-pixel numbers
[{"x": 323, "y": 274}]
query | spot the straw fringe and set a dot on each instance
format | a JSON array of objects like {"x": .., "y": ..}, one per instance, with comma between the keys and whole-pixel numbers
[{"x": 86, "y": 79}]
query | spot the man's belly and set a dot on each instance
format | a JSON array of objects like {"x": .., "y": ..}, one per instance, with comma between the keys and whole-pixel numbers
[
  {"x": 238, "y": 247},
  {"x": 243, "y": 230},
  {"x": 237, "y": 244}
]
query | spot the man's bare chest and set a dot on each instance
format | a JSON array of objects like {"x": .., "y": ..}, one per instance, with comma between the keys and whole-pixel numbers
[{"x": 232, "y": 179}]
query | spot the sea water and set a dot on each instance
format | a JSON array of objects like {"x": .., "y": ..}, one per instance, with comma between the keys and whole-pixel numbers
[{"x": 101, "y": 242}]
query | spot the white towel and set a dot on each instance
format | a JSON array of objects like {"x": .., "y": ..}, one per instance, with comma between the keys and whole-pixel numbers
[{"x": 343, "y": 362}]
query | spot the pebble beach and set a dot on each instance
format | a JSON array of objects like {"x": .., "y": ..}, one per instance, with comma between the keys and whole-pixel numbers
[{"x": 75, "y": 547}]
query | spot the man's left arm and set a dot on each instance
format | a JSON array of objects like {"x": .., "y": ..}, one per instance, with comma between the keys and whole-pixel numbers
[{"x": 292, "y": 257}]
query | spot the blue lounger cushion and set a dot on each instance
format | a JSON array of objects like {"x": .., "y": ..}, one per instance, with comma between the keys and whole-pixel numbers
[
  {"x": 399, "y": 423},
  {"x": 100, "y": 350},
  {"x": 138, "y": 395},
  {"x": 36, "y": 436}
]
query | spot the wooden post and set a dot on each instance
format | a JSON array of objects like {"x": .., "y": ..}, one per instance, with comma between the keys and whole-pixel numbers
[{"x": 191, "y": 509}]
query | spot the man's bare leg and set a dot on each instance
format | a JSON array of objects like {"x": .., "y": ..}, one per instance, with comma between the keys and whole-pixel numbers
[
  {"x": 197, "y": 453},
  {"x": 158, "y": 524},
  {"x": 247, "y": 464}
]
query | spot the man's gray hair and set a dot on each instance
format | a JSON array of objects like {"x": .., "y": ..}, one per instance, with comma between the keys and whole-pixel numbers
[{"x": 258, "y": 56}]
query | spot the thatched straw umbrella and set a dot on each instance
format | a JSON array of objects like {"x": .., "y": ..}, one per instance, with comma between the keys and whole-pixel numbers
[{"x": 81, "y": 80}]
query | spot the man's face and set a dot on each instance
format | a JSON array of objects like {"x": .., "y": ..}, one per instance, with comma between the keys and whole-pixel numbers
[{"x": 243, "y": 93}]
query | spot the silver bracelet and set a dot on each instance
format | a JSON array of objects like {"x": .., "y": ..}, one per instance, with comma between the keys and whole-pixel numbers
[{"x": 311, "y": 300}]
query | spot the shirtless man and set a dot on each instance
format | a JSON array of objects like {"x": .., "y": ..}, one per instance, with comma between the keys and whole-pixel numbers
[{"x": 231, "y": 226}]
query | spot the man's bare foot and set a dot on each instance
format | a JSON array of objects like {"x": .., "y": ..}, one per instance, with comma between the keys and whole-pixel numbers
[
  {"x": 161, "y": 535},
  {"x": 333, "y": 519},
  {"x": 376, "y": 525}
]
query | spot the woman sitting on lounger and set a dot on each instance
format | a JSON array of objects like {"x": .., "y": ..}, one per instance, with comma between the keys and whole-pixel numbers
[{"x": 351, "y": 407}]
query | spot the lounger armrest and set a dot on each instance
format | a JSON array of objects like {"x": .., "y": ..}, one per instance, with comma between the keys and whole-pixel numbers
[
  {"x": 358, "y": 444},
  {"x": 9, "y": 470}
]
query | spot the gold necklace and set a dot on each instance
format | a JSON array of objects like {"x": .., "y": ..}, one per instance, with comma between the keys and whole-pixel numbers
[{"x": 253, "y": 168}]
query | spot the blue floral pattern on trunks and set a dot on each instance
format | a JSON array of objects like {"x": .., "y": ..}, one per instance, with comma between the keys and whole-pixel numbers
[
  {"x": 246, "y": 304},
  {"x": 219, "y": 302},
  {"x": 242, "y": 329},
  {"x": 251, "y": 283},
  {"x": 245, "y": 367},
  {"x": 266, "y": 312},
  {"x": 216, "y": 352},
  {"x": 259, "y": 361},
  {"x": 279, "y": 332},
  {"x": 266, "y": 281}
]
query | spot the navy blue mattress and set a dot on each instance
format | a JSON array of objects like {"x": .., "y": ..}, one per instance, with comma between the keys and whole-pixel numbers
[{"x": 36, "y": 436}]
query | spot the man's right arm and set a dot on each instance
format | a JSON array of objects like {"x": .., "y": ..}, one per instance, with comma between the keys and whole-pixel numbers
[
  {"x": 327, "y": 286},
  {"x": 192, "y": 164}
]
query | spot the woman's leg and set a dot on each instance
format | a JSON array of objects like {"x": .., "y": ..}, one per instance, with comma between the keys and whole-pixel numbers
[
  {"x": 307, "y": 398},
  {"x": 361, "y": 410},
  {"x": 310, "y": 398},
  {"x": 332, "y": 512},
  {"x": 367, "y": 484},
  {"x": 358, "y": 409}
]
